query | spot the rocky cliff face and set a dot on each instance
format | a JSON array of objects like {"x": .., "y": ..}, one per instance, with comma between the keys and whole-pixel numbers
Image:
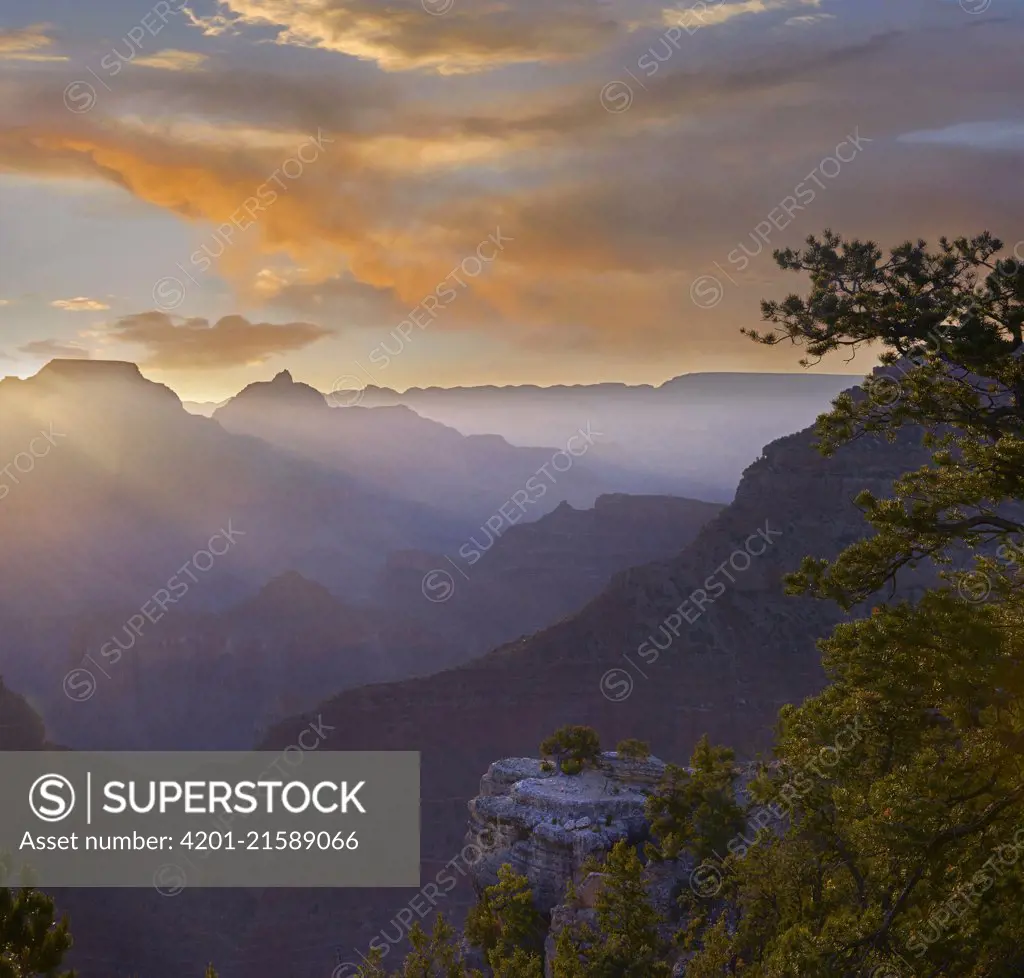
[
  {"x": 546, "y": 824},
  {"x": 214, "y": 680},
  {"x": 694, "y": 434},
  {"x": 397, "y": 452},
  {"x": 630, "y": 664},
  {"x": 149, "y": 484},
  {"x": 500, "y": 586}
]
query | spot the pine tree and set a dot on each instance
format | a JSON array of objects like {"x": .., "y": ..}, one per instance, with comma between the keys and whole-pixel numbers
[
  {"x": 626, "y": 942},
  {"x": 951, "y": 323},
  {"x": 435, "y": 955},
  {"x": 518, "y": 964},
  {"x": 569, "y": 960},
  {"x": 506, "y": 925},
  {"x": 905, "y": 776},
  {"x": 32, "y": 940},
  {"x": 696, "y": 809},
  {"x": 633, "y": 749},
  {"x": 371, "y": 966}
]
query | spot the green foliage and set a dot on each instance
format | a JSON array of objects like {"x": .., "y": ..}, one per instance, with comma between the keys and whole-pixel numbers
[
  {"x": 908, "y": 851},
  {"x": 633, "y": 749},
  {"x": 435, "y": 955},
  {"x": 626, "y": 942},
  {"x": 507, "y": 927},
  {"x": 696, "y": 809},
  {"x": 574, "y": 746},
  {"x": 569, "y": 960},
  {"x": 902, "y": 855},
  {"x": 210, "y": 972},
  {"x": 32, "y": 940},
  {"x": 372, "y": 967},
  {"x": 518, "y": 964},
  {"x": 953, "y": 320}
]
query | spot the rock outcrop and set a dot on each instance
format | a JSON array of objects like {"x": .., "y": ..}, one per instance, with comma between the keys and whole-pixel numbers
[{"x": 547, "y": 824}]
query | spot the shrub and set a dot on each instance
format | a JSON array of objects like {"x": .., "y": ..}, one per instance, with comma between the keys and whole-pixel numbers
[
  {"x": 577, "y": 744},
  {"x": 633, "y": 750}
]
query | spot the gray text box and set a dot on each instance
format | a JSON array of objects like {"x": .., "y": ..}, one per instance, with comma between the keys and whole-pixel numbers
[{"x": 213, "y": 818}]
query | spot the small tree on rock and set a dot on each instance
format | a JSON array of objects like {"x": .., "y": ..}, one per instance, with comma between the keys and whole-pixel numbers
[
  {"x": 572, "y": 748},
  {"x": 633, "y": 749}
]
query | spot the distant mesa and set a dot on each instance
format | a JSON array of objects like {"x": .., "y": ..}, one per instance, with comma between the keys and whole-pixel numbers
[
  {"x": 92, "y": 370},
  {"x": 105, "y": 379}
]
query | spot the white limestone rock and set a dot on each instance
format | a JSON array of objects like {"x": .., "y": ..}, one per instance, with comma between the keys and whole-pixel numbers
[{"x": 546, "y": 824}]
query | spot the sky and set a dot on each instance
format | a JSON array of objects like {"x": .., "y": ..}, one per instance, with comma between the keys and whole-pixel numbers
[{"x": 457, "y": 192}]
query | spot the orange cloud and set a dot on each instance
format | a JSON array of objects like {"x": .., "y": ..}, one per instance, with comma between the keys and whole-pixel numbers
[
  {"x": 24, "y": 44},
  {"x": 446, "y": 36},
  {"x": 172, "y": 59},
  {"x": 611, "y": 216},
  {"x": 80, "y": 304},
  {"x": 232, "y": 341}
]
